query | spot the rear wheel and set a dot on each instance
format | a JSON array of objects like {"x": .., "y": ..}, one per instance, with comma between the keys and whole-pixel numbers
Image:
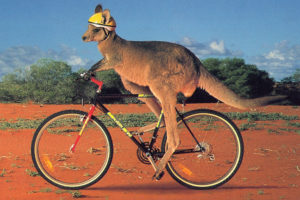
[
  {"x": 211, "y": 156},
  {"x": 50, "y": 150}
]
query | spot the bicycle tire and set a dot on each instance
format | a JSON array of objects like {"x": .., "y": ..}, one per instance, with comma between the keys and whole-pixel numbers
[
  {"x": 66, "y": 170},
  {"x": 196, "y": 170}
]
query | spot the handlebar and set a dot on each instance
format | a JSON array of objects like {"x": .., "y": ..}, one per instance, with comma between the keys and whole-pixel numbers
[
  {"x": 90, "y": 76},
  {"x": 97, "y": 82}
]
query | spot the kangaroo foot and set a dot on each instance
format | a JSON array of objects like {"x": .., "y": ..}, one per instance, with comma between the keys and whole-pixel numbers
[{"x": 149, "y": 127}]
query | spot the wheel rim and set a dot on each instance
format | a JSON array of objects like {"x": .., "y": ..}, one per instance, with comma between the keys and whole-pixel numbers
[
  {"x": 220, "y": 159},
  {"x": 71, "y": 170}
]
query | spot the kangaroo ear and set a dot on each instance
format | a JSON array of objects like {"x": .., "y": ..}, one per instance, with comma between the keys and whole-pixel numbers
[
  {"x": 98, "y": 8},
  {"x": 106, "y": 15}
]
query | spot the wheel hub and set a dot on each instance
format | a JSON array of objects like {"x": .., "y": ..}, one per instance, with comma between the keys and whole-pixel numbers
[{"x": 205, "y": 151}]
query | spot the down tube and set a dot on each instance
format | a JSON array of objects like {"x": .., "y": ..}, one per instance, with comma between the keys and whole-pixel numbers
[{"x": 126, "y": 131}]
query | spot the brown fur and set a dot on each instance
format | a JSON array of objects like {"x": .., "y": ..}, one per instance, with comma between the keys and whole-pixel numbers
[{"x": 163, "y": 69}]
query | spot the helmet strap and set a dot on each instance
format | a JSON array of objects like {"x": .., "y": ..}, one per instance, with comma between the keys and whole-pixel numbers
[{"x": 107, "y": 33}]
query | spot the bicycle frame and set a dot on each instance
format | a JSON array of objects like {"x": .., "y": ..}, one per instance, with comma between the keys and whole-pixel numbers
[
  {"x": 98, "y": 104},
  {"x": 147, "y": 150},
  {"x": 101, "y": 107},
  {"x": 206, "y": 124}
]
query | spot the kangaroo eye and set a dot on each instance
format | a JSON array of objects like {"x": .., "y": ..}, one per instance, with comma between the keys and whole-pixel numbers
[{"x": 96, "y": 30}]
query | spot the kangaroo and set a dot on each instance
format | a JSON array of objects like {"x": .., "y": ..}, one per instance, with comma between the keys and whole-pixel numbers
[{"x": 160, "y": 68}]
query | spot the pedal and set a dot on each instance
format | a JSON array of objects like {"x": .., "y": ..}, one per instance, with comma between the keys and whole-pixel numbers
[{"x": 161, "y": 174}]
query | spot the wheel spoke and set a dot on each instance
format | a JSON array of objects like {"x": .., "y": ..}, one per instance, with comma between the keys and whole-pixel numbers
[
  {"x": 76, "y": 169},
  {"x": 214, "y": 160}
]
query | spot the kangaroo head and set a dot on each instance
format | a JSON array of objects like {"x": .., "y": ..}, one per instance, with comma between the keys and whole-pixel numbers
[{"x": 101, "y": 24}]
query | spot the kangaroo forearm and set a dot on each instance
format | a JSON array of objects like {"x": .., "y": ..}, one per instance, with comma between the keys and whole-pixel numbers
[
  {"x": 103, "y": 68},
  {"x": 96, "y": 66},
  {"x": 103, "y": 65}
]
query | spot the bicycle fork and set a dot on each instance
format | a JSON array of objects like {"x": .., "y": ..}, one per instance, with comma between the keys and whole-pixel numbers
[{"x": 89, "y": 117}]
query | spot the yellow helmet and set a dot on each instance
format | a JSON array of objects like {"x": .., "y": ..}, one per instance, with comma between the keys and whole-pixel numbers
[{"x": 98, "y": 20}]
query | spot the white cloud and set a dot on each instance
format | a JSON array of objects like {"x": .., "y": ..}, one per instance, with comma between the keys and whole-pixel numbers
[
  {"x": 77, "y": 61},
  {"x": 218, "y": 47},
  {"x": 281, "y": 61},
  {"x": 187, "y": 41},
  {"x": 24, "y": 56},
  {"x": 275, "y": 55},
  {"x": 213, "y": 48}
]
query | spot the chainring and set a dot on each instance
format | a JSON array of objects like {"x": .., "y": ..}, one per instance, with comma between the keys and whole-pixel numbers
[{"x": 143, "y": 157}]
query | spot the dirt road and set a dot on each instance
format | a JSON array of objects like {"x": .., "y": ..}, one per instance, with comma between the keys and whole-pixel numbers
[{"x": 270, "y": 169}]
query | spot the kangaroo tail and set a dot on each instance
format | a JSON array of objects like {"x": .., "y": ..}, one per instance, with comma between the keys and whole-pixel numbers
[{"x": 218, "y": 90}]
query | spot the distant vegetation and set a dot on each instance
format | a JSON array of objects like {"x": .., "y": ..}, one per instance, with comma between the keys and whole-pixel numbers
[
  {"x": 290, "y": 86},
  {"x": 139, "y": 120},
  {"x": 54, "y": 82}
]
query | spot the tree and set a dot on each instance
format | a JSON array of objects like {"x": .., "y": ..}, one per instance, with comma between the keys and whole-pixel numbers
[
  {"x": 112, "y": 84},
  {"x": 296, "y": 75},
  {"x": 46, "y": 81},
  {"x": 290, "y": 86},
  {"x": 50, "y": 81},
  {"x": 12, "y": 87},
  {"x": 244, "y": 79},
  {"x": 294, "y": 78}
]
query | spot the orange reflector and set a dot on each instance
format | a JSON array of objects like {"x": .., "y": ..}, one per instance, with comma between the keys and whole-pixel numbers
[
  {"x": 185, "y": 170},
  {"x": 48, "y": 162}
]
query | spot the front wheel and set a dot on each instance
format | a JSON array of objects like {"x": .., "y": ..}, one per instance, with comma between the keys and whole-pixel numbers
[
  {"x": 210, "y": 150},
  {"x": 51, "y": 155}
]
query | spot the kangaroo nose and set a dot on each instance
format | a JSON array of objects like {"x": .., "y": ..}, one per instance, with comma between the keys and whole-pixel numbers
[{"x": 84, "y": 38}]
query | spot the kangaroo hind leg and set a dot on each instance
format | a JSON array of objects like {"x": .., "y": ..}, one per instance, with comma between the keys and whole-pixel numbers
[
  {"x": 168, "y": 106},
  {"x": 150, "y": 102}
]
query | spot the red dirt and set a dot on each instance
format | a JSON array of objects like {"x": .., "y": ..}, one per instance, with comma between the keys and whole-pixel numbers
[{"x": 270, "y": 169}]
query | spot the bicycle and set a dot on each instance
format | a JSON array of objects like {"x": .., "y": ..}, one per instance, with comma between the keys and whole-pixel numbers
[{"x": 210, "y": 151}]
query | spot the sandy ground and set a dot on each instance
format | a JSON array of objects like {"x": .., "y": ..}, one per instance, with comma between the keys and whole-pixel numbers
[{"x": 270, "y": 169}]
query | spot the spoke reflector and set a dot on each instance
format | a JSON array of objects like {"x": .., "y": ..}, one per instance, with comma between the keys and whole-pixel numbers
[
  {"x": 185, "y": 170},
  {"x": 48, "y": 162}
]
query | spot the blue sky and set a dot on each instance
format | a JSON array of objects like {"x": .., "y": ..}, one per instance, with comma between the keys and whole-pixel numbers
[{"x": 263, "y": 32}]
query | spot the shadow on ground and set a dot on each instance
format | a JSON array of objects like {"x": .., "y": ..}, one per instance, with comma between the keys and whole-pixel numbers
[{"x": 175, "y": 188}]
